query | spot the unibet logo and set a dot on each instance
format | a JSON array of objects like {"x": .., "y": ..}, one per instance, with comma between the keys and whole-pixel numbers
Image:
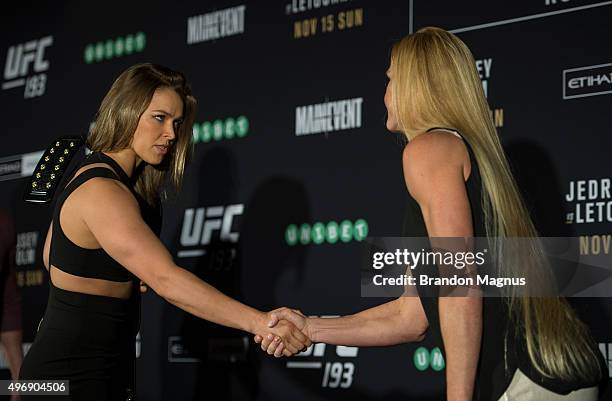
[
  {"x": 424, "y": 359},
  {"x": 111, "y": 48},
  {"x": 220, "y": 129},
  {"x": 331, "y": 232}
]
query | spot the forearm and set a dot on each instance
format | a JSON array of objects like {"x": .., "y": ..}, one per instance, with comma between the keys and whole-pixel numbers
[
  {"x": 355, "y": 330},
  {"x": 12, "y": 342},
  {"x": 386, "y": 324},
  {"x": 461, "y": 326},
  {"x": 186, "y": 291}
]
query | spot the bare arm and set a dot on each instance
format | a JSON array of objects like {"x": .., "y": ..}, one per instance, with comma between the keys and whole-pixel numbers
[
  {"x": 395, "y": 322},
  {"x": 122, "y": 233},
  {"x": 399, "y": 321},
  {"x": 434, "y": 173}
]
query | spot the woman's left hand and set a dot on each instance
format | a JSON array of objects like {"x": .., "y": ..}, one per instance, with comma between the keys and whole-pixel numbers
[{"x": 270, "y": 343}]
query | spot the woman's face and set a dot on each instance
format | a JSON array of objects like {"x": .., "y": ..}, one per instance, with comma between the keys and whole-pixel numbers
[
  {"x": 158, "y": 126},
  {"x": 391, "y": 119}
]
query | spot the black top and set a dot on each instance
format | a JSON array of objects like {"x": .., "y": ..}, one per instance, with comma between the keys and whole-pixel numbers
[
  {"x": 94, "y": 263},
  {"x": 496, "y": 367},
  {"x": 85, "y": 338}
]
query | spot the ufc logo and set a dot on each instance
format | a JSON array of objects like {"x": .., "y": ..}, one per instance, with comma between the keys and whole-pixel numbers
[
  {"x": 318, "y": 350},
  {"x": 20, "y": 57},
  {"x": 199, "y": 224}
]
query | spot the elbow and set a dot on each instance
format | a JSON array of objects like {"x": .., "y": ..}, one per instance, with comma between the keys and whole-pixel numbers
[
  {"x": 412, "y": 319},
  {"x": 420, "y": 334},
  {"x": 161, "y": 283},
  {"x": 417, "y": 331}
]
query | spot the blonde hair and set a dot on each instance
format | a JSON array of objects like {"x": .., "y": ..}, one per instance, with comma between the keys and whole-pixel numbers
[
  {"x": 435, "y": 84},
  {"x": 120, "y": 111}
]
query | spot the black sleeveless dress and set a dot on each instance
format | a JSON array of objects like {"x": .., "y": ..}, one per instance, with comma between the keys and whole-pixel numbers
[
  {"x": 88, "y": 339},
  {"x": 502, "y": 352}
]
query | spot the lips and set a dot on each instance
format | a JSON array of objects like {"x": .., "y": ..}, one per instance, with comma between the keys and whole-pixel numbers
[{"x": 161, "y": 149}]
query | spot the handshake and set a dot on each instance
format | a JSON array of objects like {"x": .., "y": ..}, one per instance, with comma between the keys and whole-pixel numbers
[
  {"x": 289, "y": 333},
  {"x": 284, "y": 331}
]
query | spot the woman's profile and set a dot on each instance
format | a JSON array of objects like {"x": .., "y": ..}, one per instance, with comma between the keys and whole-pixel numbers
[{"x": 460, "y": 185}]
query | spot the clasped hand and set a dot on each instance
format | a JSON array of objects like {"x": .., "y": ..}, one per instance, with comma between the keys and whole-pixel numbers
[{"x": 289, "y": 333}]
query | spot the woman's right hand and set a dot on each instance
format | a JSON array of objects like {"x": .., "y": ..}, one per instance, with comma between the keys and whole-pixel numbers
[
  {"x": 284, "y": 336},
  {"x": 279, "y": 317}
]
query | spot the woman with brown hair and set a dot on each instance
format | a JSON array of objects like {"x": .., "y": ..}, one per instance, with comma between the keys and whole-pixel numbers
[
  {"x": 460, "y": 185},
  {"x": 101, "y": 242}
]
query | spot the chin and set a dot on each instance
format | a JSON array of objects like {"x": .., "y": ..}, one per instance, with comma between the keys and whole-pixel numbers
[
  {"x": 153, "y": 159},
  {"x": 392, "y": 126},
  {"x": 157, "y": 161}
]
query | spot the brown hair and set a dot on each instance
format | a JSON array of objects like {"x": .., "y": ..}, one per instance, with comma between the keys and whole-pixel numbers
[{"x": 120, "y": 111}]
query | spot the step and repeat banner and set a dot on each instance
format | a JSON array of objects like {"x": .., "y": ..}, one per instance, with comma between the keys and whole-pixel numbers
[{"x": 293, "y": 166}]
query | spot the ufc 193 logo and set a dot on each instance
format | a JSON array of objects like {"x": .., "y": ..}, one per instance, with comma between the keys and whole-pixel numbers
[
  {"x": 211, "y": 231},
  {"x": 336, "y": 363},
  {"x": 26, "y": 65}
]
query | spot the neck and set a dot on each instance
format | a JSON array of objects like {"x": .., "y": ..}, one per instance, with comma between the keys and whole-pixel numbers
[{"x": 127, "y": 160}]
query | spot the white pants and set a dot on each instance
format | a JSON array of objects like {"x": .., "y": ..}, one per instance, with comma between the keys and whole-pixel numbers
[{"x": 523, "y": 388}]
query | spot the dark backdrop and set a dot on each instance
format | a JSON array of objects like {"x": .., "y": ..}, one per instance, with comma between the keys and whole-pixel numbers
[{"x": 259, "y": 186}]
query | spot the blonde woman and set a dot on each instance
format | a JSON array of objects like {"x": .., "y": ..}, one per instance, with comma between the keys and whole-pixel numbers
[
  {"x": 460, "y": 185},
  {"x": 101, "y": 243}
]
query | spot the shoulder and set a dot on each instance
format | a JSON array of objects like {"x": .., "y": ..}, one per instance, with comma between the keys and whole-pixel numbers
[
  {"x": 105, "y": 192},
  {"x": 434, "y": 148},
  {"x": 434, "y": 158}
]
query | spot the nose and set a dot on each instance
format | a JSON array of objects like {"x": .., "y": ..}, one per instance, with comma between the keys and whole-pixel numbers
[{"x": 170, "y": 132}]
